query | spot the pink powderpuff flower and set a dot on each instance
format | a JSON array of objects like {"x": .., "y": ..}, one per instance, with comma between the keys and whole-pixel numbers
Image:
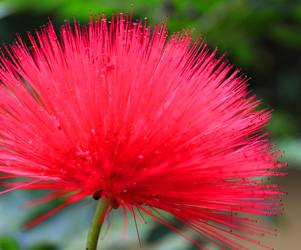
[{"x": 119, "y": 110}]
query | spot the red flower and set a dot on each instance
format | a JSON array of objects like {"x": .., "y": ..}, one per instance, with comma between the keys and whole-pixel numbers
[{"x": 119, "y": 110}]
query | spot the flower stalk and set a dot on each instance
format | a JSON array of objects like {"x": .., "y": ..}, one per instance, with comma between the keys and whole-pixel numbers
[{"x": 98, "y": 219}]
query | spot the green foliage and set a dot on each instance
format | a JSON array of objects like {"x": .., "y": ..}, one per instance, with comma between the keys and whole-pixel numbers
[
  {"x": 7, "y": 243},
  {"x": 44, "y": 246}
]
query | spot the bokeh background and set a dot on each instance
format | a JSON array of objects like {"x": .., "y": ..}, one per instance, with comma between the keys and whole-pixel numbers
[{"x": 263, "y": 37}]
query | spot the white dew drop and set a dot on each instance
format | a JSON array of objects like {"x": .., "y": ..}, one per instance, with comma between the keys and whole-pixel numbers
[{"x": 58, "y": 126}]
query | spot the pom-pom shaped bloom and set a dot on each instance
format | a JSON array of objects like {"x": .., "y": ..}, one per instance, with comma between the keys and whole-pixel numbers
[{"x": 155, "y": 123}]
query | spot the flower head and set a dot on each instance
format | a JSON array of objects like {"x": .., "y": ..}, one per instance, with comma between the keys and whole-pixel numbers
[{"x": 118, "y": 110}]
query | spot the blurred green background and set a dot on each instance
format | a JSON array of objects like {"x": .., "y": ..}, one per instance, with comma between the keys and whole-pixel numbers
[{"x": 262, "y": 37}]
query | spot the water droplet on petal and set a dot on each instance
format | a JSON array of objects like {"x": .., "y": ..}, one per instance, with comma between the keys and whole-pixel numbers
[{"x": 62, "y": 171}]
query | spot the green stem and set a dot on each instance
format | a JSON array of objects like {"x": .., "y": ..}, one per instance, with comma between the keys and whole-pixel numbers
[{"x": 100, "y": 213}]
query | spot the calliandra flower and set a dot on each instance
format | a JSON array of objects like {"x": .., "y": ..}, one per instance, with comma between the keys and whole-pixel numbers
[{"x": 149, "y": 123}]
